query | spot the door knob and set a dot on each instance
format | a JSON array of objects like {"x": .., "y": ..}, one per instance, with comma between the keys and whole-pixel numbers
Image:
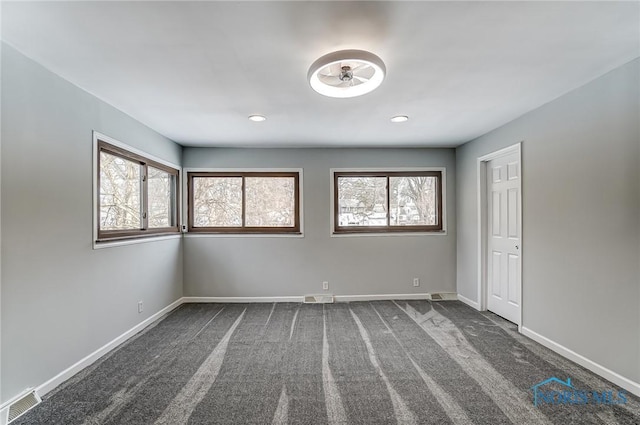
[{"x": 517, "y": 247}]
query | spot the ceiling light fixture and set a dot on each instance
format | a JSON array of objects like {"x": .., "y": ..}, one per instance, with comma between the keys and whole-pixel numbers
[
  {"x": 400, "y": 118},
  {"x": 257, "y": 118},
  {"x": 346, "y": 73}
]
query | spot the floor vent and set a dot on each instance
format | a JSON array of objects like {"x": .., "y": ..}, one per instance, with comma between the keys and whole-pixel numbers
[
  {"x": 22, "y": 405},
  {"x": 442, "y": 296},
  {"x": 318, "y": 299}
]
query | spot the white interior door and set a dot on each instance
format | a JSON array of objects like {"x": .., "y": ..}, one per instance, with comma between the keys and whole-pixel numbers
[{"x": 503, "y": 237}]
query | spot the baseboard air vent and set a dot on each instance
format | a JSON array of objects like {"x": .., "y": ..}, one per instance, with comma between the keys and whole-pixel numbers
[
  {"x": 23, "y": 404},
  {"x": 442, "y": 296},
  {"x": 318, "y": 299}
]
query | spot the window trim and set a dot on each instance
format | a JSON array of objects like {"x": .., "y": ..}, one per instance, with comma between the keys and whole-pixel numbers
[
  {"x": 104, "y": 143},
  {"x": 296, "y": 230},
  {"x": 438, "y": 229}
]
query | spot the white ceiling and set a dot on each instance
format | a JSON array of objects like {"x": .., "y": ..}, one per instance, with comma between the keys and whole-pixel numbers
[{"x": 194, "y": 71}]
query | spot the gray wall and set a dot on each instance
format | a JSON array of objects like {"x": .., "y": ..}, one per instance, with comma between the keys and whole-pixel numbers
[
  {"x": 581, "y": 218},
  {"x": 1, "y": 399},
  {"x": 258, "y": 266},
  {"x": 61, "y": 300}
]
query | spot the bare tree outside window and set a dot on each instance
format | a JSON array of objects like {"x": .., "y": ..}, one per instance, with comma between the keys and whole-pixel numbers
[
  {"x": 270, "y": 201},
  {"x": 413, "y": 201},
  {"x": 161, "y": 187},
  {"x": 217, "y": 201},
  {"x": 137, "y": 197},
  {"x": 249, "y": 202},
  {"x": 387, "y": 201},
  {"x": 119, "y": 193}
]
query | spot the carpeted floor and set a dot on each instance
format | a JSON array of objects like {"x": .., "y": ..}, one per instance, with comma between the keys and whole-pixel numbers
[{"x": 386, "y": 362}]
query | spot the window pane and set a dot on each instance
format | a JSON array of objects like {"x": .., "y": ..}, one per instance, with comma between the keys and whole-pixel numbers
[
  {"x": 119, "y": 193},
  {"x": 362, "y": 201},
  {"x": 412, "y": 201},
  {"x": 161, "y": 186},
  {"x": 270, "y": 201},
  {"x": 217, "y": 201}
]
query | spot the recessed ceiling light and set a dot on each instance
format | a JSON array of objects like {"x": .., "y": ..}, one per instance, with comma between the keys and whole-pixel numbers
[
  {"x": 400, "y": 118},
  {"x": 257, "y": 118},
  {"x": 346, "y": 73}
]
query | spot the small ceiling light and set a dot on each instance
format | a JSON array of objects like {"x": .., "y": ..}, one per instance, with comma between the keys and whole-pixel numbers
[
  {"x": 257, "y": 118},
  {"x": 346, "y": 73},
  {"x": 400, "y": 118}
]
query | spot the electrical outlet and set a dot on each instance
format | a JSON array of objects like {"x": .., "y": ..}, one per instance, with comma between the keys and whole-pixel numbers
[
  {"x": 416, "y": 281},
  {"x": 140, "y": 307},
  {"x": 325, "y": 285}
]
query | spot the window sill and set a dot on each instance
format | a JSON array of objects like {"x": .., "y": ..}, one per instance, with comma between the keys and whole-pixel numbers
[
  {"x": 243, "y": 235},
  {"x": 110, "y": 243},
  {"x": 369, "y": 234}
]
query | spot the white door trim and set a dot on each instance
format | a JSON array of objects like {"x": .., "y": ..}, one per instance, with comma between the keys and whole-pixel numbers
[{"x": 482, "y": 222}]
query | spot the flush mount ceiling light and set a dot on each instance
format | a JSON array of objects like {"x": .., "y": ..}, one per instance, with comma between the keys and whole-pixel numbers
[
  {"x": 346, "y": 73},
  {"x": 400, "y": 118},
  {"x": 257, "y": 118}
]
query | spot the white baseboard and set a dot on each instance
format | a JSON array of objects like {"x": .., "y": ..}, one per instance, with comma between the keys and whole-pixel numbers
[
  {"x": 91, "y": 358},
  {"x": 468, "y": 302},
  {"x": 380, "y": 297},
  {"x": 300, "y": 298},
  {"x": 621, "y": 381},
  {"x": 289, "y": 299}
]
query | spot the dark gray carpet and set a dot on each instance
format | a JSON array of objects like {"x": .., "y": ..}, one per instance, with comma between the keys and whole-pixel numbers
[{"x": 386, "y": 362}]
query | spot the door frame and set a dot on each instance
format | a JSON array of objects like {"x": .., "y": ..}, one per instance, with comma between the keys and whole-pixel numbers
[{"x": 483, "y": 225}]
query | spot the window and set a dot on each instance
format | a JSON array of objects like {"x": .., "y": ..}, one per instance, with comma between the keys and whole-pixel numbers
[
  {"x": 371, "y": 201},
  {"x": 136, "y": 196},
  {"x": 244, "y": 202}
]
